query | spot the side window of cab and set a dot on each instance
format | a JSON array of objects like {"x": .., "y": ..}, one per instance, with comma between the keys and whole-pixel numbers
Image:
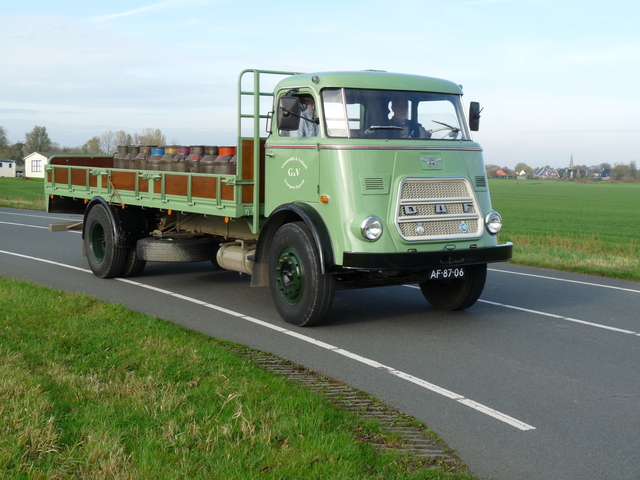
[{"x": 296, "y": 116}]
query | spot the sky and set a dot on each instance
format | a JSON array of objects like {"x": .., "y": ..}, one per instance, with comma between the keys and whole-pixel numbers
[{"x": 557, "y": 78}]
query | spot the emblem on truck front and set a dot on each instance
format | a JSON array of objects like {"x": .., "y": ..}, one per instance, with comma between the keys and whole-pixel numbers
[{"x": 431, "y": 160}]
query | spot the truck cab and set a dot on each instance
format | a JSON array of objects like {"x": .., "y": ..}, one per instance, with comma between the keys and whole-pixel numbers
[{"x": 392, "y": 179}]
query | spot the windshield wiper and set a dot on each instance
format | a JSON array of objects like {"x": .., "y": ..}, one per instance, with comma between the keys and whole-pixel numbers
[{"x": 453, "y": 129}]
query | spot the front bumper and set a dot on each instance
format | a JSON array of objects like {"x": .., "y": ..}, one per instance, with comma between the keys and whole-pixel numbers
[{"x": 425, "y": 260}]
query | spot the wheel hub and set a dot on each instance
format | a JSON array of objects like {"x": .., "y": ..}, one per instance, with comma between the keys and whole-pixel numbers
[{"x": 290, "y": 275}]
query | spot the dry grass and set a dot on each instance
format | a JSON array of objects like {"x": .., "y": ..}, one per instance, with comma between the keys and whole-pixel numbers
[{"x": 579, "y": 253}]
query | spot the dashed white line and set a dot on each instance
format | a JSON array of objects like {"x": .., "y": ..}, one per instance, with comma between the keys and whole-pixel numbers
[
  {"x": 565, "y": 280},
  {"x": 353, "y": 356}
]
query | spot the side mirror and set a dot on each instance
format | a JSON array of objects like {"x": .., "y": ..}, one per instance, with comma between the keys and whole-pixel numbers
[
  {"x": 288, "y": 113},
  {"x": 474, "y": 116}
]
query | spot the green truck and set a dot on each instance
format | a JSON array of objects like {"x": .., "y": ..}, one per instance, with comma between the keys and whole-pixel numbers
[{"x": 338, "y": 180}]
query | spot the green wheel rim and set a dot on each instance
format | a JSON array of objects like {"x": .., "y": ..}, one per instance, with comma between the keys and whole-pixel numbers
[
  {"x": 97, "y": 242},
  {"x": 290, "y": 275}
]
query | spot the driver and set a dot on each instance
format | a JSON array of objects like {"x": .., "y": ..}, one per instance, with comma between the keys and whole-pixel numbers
[{"x": 400, "y": 109}]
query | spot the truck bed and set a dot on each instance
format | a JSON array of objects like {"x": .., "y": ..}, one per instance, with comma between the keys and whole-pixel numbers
[{"x": 75, "y": 178}]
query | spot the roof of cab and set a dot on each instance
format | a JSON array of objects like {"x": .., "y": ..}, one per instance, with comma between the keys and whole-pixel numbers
[{"x": 370, "y": 79}]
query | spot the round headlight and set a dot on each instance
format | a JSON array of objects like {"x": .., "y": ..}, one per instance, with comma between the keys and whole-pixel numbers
[
  {"x": 493, "y": 222},
  {"x": 371, "y": 228}
]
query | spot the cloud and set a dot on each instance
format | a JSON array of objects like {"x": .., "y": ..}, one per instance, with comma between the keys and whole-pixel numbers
[{"x": 155, "y": 6}]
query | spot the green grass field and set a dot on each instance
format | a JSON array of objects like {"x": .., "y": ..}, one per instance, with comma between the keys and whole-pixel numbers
[
  {"x": 22, "y": 193},
  {"x": 93, "y": 390},
  {"x": 587, "y": 228}
]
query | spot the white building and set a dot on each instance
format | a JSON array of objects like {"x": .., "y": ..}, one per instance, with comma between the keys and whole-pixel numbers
[
  {"x": 7, "y": 168},
  {"x": 34, "y": 165}
]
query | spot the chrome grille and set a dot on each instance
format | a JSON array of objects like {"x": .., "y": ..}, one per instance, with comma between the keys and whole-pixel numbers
[
  {"x": 437, "y": 209},
  {"x": 446, "y": 227},
  {"x": 433, "y": 190}
]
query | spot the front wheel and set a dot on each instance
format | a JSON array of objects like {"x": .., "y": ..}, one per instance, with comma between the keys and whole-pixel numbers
[
  {"x": 301, "y": 292},
  {"x": 456, "y": 294}
]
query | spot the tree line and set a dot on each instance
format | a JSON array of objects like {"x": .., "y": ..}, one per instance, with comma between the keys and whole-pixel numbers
[{"x": 37, "y": 140}]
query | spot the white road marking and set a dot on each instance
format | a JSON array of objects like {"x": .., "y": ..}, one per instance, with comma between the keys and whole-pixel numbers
[
  {"x": 23, "y": 225},
  {"x": 353, "y": 356},
  {"x": 553, "y": 315},
  {"x": 566, "y": 319},
  {"x": 33, "y": 226},
  {"x": 58, "y": 264},
  {"x": 48, "y": 217},
  {"x": 565, "y": 280}
]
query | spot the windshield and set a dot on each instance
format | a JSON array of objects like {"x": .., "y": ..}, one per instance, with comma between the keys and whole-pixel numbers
[{"x": 360, "y": 113}]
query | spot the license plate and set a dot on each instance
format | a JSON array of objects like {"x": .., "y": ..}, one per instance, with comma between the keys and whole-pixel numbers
[{"x": 446, "y": 273}]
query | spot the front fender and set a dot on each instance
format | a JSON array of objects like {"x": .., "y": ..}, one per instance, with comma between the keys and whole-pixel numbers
[{"x": 287, "y": 213}]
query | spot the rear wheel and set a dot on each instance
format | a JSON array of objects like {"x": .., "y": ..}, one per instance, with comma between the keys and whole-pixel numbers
[
  {"x": 106, "y": 260},
  {"x": 301, "y": 292},
  {"x": 133, "y": 265},
  {"x": 457, "y": 294}
]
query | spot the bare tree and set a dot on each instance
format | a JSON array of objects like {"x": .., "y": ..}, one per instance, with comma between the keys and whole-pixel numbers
[
  {"x": 108, "y": 142},
  {"x": 152, "y": 136},
  {"x": 123, "y": 138}
]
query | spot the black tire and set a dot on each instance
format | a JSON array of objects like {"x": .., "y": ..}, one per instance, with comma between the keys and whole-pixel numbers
[
  {"x": 105, "y": 259},
  {"x": 133, "y": 265},
  {"x": 178, "y": 249},
  {"x": 301, "y": 292},
  {"x": 457, "y": 294}
]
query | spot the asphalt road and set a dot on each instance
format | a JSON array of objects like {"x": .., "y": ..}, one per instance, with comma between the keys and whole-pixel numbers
[{"x": 539, "y": 380}]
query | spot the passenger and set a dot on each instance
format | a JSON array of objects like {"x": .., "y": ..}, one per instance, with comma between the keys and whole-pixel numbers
[
  {"x": 308, "y": 121},
  {"x": 400, "y": 109}
]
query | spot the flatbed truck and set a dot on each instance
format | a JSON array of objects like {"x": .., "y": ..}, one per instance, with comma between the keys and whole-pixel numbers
[{"x": 339, "y": 180}]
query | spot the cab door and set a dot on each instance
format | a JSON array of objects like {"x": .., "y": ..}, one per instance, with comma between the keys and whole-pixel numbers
[{"x": 292, "y": 159}]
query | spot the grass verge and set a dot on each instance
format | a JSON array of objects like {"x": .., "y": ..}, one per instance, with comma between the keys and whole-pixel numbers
[
  {"x": 93, "y": 390},
  {"x": 27, "y": 193},
  {"x": 571, "y": 226}
]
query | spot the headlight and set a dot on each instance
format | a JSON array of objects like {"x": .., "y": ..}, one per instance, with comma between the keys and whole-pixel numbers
[
  {"x": 493, "y": 222},
  {"x": 371, "y": 228}
]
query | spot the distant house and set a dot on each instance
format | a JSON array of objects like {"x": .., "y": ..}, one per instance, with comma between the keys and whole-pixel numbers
[
  {"x": 34, "y": 165},
  {"x": 603, "y": 175},
  {"x": 504, "y": 173},
  {"x": 546, "y": 173},
  {"x": 7, "y": 168}
]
